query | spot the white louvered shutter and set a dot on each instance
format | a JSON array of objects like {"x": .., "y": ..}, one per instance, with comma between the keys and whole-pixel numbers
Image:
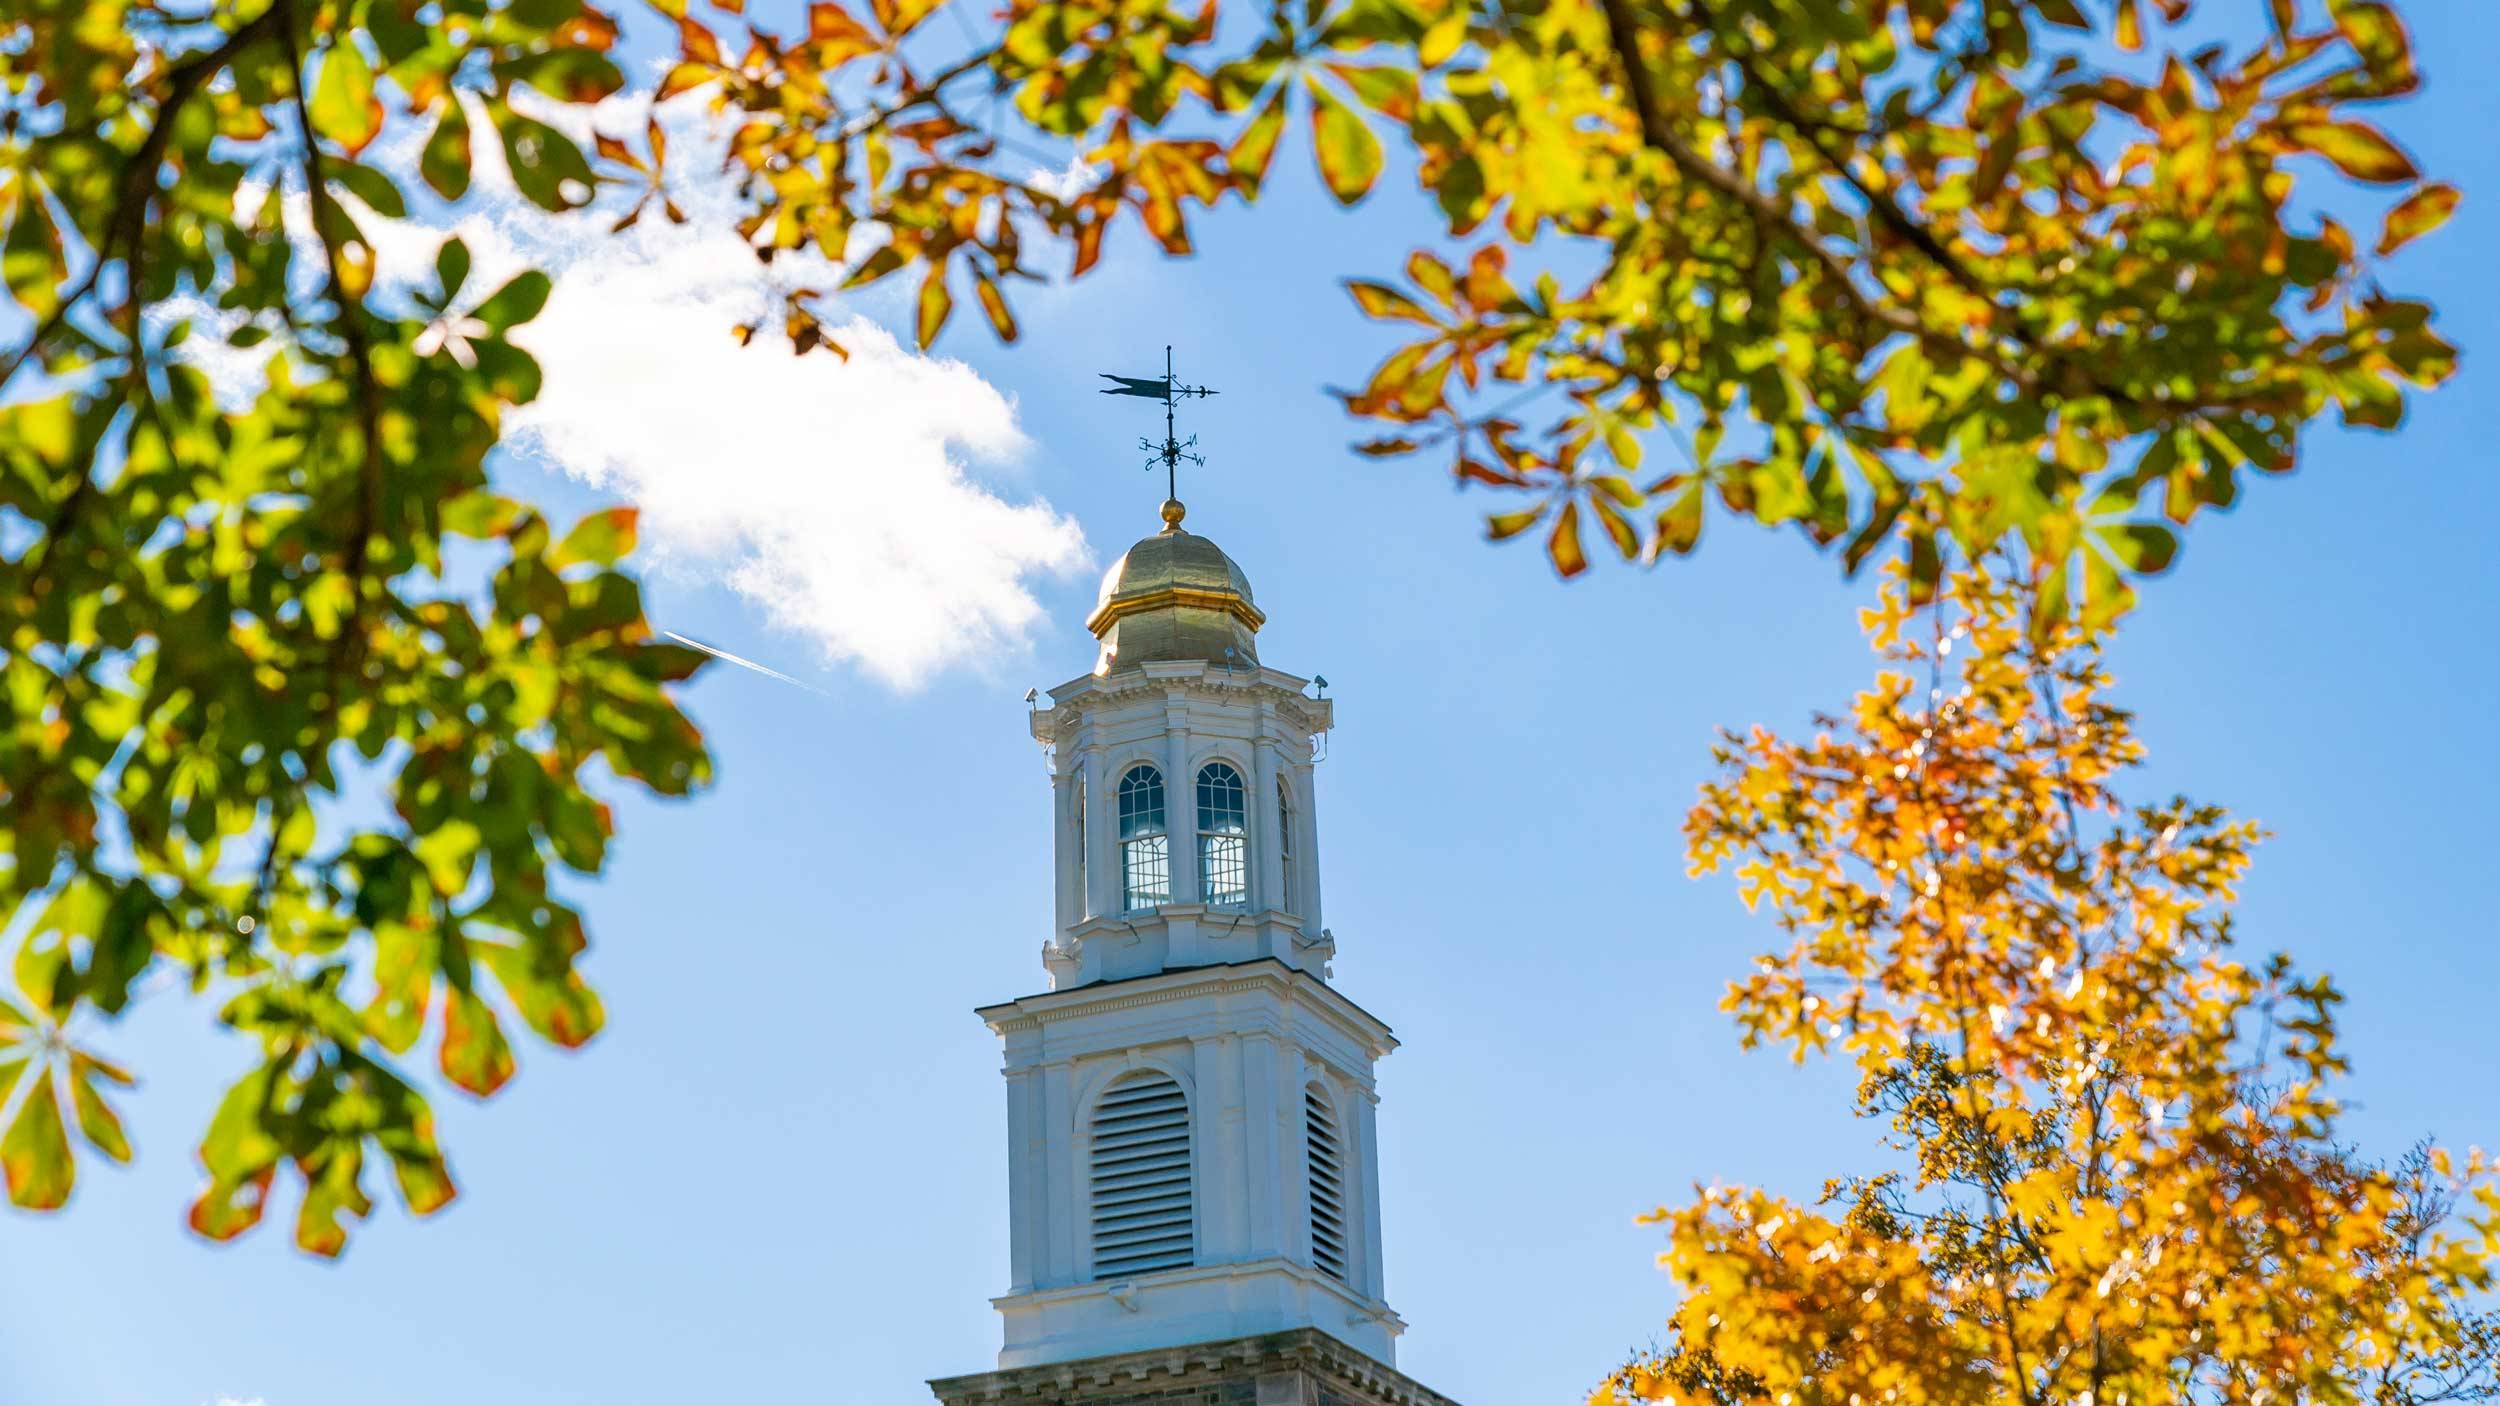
[
  {"x": 1144, "y": 1218},
  {"x": 1327, "y": 1185}
]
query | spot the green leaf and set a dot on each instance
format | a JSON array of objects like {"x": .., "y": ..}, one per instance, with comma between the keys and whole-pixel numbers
[
  {"x": 445, "y": 160},
  {"x": 424, "y": 1178},
  {"x": 2145, "y": 548},
  {"x": 32, "y": 257},
  {"x": 599, "y": 539},
  {"x": 343, "y": 106},
  {"x": 97, "y": 1122},
  {"x": 333, "y": 1191},
  {"x": 559, "y": 1006},
  {"x": 1679, "y": 523},
  {"x": 516, "y": 302},
  {"x": 451, "y": 267},
  {"x": 479, "y": 513},
  {"x": 571, "y": 75},
  {"x": 1349, "y": 155},
  {"x": 476, "y": 1057},
  {"x": 547, "y": 168},
  {"x": 35, "y": 1152},
  {"x": 370, "y": 186}
]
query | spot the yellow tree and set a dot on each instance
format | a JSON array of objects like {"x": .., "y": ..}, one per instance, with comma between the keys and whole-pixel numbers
[{"x": 2116, "y": 1177}]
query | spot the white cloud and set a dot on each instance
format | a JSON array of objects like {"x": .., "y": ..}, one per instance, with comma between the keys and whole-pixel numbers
[{"x": 841, "y": 498}]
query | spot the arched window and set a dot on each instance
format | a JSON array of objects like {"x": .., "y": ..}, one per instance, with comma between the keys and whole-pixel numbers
[
  {"x": 1327, "y": 1157},
  {"x": 1144, "y": 1218},
  {"x": 1284, "y": 841},
  {"x": 1223, "y": 836},
  {"x": 1145, "y": 848}
]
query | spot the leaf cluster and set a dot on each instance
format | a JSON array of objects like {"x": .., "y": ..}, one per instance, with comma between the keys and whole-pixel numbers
[
  {"x": 1907, "y": 273},
  {"x": 302, "y": 716}
]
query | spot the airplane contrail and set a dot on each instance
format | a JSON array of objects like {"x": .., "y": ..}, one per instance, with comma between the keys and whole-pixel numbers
[{"x": 744, "y": 663}]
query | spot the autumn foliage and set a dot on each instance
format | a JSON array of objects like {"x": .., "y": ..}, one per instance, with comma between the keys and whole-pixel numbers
[
  {"x": 2115, "y": 1177},
  {"x": 1924, "y": 279}
]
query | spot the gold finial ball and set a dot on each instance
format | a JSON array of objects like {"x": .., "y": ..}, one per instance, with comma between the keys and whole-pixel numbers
[{"x": 1173, "y": 512}]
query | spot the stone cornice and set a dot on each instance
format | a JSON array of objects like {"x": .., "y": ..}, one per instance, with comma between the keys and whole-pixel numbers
[
  {"x": 1182, "y": 983},
  {"x": 1229, "y": 1269},
  {"x": 1305, "y": 1352},
  {"x": 1088, "y": 691}
]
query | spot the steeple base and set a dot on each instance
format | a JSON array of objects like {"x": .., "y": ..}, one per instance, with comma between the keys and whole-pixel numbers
[{"x": 1304, "y": 1367}]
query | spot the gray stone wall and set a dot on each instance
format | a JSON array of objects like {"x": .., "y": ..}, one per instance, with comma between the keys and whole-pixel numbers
[{"x": 1304, "y": 1367}]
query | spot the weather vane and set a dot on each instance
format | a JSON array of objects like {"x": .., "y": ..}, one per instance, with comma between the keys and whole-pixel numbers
[{"x": 1173, "y": 449}]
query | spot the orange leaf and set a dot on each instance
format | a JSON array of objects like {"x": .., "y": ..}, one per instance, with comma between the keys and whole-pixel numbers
[
  {"x": 2417, "y": 215},
  {"x": 994, "y": 303},
  {"x": 1563, "y": 543}
]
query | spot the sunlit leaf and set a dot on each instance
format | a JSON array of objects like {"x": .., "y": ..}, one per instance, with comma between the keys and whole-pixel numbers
[
  {"x": 2361, "y": 152},
  {"x": 2417, "y": 215},
  {"x": 1349, "y": 155},
  {"x": 600, "y": 539},
  {"x": 934, "y": 306},
  {"x": 35, "y": 1151},
  {"x": 343, "y": 106}
]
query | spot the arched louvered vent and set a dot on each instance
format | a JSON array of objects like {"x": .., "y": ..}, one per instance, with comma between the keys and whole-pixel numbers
[
  {"x": 1327, "y": 1185},
  {"x": 1143, "y": 1215}
]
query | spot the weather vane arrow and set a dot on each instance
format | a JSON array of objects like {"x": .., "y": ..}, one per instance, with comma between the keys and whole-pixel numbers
[{"x": 1173, "y": 449}]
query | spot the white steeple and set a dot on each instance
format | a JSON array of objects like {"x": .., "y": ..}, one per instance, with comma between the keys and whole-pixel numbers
[{"x": 1191, "y": 1143}]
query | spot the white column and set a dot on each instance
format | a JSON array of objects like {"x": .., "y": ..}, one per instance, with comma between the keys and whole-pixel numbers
[
  {"x": 1305, "y": 783},
  {"x": 1062, "y": 1190},
  {"x": 1064, "y": 830},
  {"x": 1102, "y": 842},
  {"x": 1223, "y": 1158},
  {"x": 1262, "y": 1145},
  {"x": 1180, "y": 802},
  {"x": 1028, "y": 1208},
  {"x": 1266, "y": 859},
  {"x": 1366, "y": 1106}
]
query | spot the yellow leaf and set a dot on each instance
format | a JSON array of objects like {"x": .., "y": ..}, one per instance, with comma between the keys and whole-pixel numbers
[
  {"x": 2417, "y": 215},
  {"x": 2361, "y": 152},
  {"x": 1349, "y": 155},
  {"x": 935, "y": 304}
]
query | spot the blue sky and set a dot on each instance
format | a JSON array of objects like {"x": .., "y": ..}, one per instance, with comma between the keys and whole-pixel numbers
[{"x": 779, "y": 1174}]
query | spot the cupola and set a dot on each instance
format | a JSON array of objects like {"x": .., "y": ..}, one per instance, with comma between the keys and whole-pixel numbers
[{"x": 1175, "y": 596}]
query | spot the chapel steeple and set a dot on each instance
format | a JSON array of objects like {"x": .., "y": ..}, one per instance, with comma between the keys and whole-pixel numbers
[{"x": 1193, "y": 1151}]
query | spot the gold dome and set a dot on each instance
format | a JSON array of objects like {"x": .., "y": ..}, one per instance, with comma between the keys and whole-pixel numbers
[{"x": 1175, "y": 595}]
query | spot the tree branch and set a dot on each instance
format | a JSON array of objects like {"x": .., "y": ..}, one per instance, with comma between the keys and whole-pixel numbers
[{"x": 368, "y": 391}]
